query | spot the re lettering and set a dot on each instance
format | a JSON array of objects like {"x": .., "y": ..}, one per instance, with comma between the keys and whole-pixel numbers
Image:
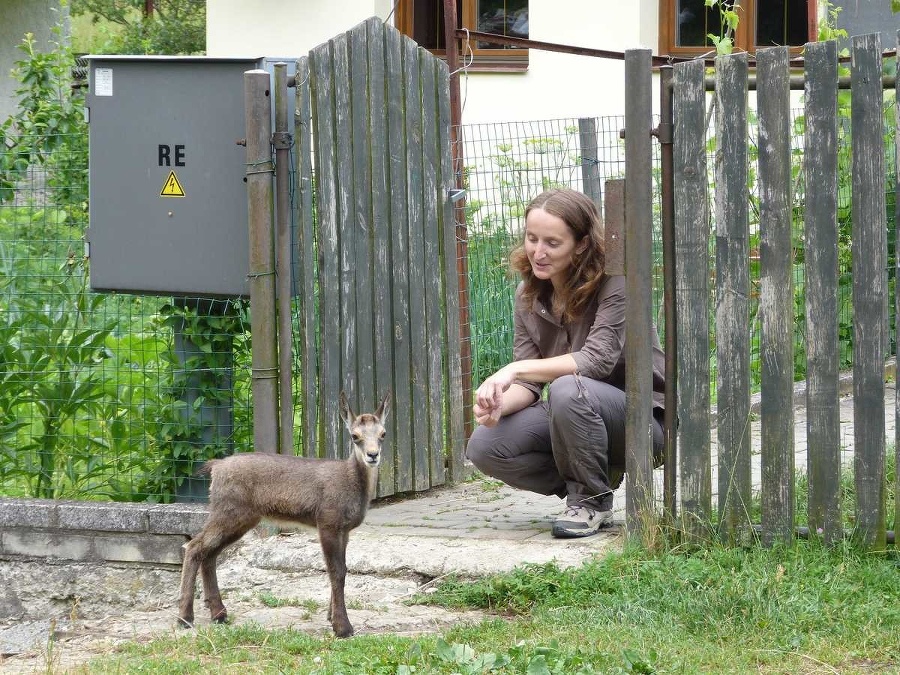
[{"x": 169, "y": 158}]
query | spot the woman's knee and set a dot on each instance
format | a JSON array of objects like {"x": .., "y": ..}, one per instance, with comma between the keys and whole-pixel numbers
[
  {"x": 480, "y": 450},
  {"x": 561, "y": 392}
]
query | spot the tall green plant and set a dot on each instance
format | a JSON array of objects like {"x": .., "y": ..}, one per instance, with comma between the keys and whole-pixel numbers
[
  {"x": 48, "y": 128},
  {"x": 723, "y": 41},
  {"x": 53, "y": 360}
]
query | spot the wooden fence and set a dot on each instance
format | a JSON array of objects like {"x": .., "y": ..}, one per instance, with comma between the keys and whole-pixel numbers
[
  {"x": 731, "y": 279},
  {"x": 378, "y": 300}
]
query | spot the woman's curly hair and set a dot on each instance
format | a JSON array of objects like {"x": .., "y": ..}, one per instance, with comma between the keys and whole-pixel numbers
[{"x": 580, "y": 213}]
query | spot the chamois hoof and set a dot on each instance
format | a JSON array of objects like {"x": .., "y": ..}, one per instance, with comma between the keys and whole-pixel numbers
[
  {"x": 221, "y": 617},
  {"x": 185, "y": 623},
  {"x": 343, "y": 631}
]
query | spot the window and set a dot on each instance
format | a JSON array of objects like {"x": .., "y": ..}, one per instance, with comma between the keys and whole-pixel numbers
[
  {"x": 423, "y": 21},
  {"x": 684, "y": 25}
]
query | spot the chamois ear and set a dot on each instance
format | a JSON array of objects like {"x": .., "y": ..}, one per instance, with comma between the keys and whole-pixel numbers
[
  {"x": 384, "y": 407},
  {"x": 346, "y": 413}
]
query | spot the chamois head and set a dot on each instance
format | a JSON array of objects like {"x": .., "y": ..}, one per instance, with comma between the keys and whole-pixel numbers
[{"x": 366, "y": 430}]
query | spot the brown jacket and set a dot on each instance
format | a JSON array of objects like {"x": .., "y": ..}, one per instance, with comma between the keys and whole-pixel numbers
[{"x": 596, "y": 340}]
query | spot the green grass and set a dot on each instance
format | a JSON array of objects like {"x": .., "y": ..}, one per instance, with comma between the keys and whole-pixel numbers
[
  {"x": 802, "y": 609},
  {"x": 273, "y": 601}
]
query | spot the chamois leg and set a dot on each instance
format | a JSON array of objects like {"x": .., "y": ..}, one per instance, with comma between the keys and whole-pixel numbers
[
  {"x": 237, "y": 528},
  {"x": 189, "y": 569},
  {"x": 211, "y": 592},
  {"x": 334, "y": 548},
  {"x": 201, "y": 554}
]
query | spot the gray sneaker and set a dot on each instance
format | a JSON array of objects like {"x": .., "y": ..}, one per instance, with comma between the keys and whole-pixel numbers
[{"x": 580, "y": 521}]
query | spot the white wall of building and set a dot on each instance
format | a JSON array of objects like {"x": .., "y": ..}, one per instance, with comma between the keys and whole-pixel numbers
[
  {"x": 280, "y": 28},
  {"x": 18, "y": 17},
  {"x": 554, "y": 86}
]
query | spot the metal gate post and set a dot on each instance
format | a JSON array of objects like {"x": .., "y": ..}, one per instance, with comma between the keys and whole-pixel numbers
[
  {"x": 258, "y": 117},
  {"x": 639, "y": 517},
  {"x": 664, "y": 134},
  {"x": 283, "y": 142}
]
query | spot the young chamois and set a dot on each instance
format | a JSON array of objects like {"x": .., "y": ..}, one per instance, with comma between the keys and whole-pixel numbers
[{"x": 331, "y": 495}]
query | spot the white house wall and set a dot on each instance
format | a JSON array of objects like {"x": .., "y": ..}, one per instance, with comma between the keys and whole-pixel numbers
[
  {"x": 18, "y": 17},
  {"x": 281, "y": 27},
  {"x": 554, "y": 86}
]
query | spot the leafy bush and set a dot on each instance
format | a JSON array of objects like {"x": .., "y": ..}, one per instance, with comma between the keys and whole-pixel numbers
[{"x": 173, "y": 27}]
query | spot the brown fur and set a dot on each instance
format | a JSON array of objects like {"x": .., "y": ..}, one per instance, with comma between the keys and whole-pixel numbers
[{"x": 330, "y": 495}]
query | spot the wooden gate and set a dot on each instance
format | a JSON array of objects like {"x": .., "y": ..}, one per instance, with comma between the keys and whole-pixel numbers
[
  {"x": 732, "y": 292},
  {"x": 378, "y": 301}
]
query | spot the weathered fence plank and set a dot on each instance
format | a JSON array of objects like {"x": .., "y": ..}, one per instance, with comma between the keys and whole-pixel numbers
[
  {"x": 639, "y": 315},
  {"x": 322, "y": 87},
  {"x": 396, "y": 142},
  {"x": 732, "y": 295},
  {"x": 614, "y": 225},
  {"x": 692, "y": 296},
  {"x": 433, "y": 199},
  {"x": 347, "y": 239},
  {"x": 776, "y": 306},
  {"x": 417, "y": 267},
  {"x": 381, "y": 235},
  {"x": 869, "y": 289},
  {"x": 454, "y": 404},
  {"x": 306, "y": 264},
  {"x": 359, "y": 223},
  {"x": 822, "y": 357},
  {"x": 897, "y": 296}
]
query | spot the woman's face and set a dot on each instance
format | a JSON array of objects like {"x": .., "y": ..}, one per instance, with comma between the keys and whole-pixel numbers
[{"x": 550, "y": 245}]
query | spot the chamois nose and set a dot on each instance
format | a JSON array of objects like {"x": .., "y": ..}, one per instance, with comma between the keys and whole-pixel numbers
[{"x": 373, "y": 458}]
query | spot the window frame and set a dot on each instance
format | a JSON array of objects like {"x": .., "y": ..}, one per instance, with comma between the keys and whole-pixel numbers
[
  {"x": 494, "y": 60},
  {"x": 743, "y": 38}
]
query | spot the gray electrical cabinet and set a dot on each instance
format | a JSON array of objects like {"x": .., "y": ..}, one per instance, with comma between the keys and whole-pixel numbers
[{"x": 168, "y": 201}]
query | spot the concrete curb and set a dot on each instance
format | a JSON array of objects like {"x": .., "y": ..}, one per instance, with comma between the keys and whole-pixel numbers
[{"x": 97, "y": 531}]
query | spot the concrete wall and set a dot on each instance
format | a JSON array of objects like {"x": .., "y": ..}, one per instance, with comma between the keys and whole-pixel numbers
[
  {"x": 97, "y": 531},
  {"x": 18, "y": 17},
  {"x": 554, "y": 86}
]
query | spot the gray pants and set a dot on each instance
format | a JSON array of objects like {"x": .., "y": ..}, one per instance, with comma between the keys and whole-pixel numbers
[{"x": 572, "y": 445}]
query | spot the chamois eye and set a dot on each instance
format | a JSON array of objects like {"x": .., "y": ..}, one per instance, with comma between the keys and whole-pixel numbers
[
  {"x": 381, "y": 436},
  {"x": 357, "y": 438}
]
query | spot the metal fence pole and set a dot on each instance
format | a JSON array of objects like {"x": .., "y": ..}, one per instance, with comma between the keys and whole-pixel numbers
[
  {"x": 283, "y": 142},
  {"x": 639, "y": 520},
  {"x": 667, "y": 185},
  {"x": 258, "y": 112},
  {"x": 590, "y": 171},
  {"x": 462, "y": 234}
]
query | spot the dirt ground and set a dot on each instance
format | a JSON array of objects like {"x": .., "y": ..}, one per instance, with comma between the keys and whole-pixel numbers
[
  {"x": 83, "y": 630},
  {"x": 63, "y": 614}
]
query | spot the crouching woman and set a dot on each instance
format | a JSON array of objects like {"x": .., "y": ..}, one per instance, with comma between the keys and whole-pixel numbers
[{"x": 570, "y": 333}]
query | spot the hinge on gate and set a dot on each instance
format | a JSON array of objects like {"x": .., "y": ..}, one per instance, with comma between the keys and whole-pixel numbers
[
  {"x": 456, "y": 194},
  {"x": 282, "y": 140},
  {"x": 663, "y": 132}
]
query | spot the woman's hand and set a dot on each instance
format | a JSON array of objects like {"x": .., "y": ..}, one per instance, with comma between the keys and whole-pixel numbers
[
  {"x": 486, "y": 417},
  {"x": 488, "y": 406}
]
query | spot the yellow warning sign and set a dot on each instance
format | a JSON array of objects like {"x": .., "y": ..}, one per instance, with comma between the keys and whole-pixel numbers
[{"x": 172, "y": 187}]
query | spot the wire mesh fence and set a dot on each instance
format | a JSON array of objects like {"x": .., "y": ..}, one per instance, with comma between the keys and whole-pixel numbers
[
  {"x": 116, "y": 396},
  {"x": 104, "y": 396},
  {"x": 507, "y": 165}
]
